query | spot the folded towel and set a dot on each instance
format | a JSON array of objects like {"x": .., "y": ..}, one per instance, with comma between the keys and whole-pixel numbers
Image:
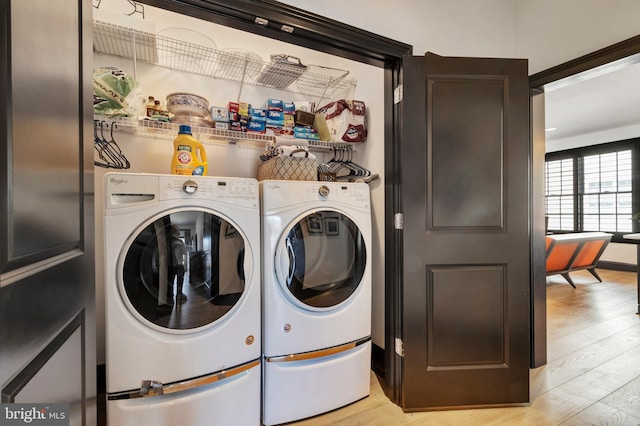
[
  {"x": 272, "y": 145},
  {"x": 291, "y": 151},
  {"x": 288, "y": 141}
]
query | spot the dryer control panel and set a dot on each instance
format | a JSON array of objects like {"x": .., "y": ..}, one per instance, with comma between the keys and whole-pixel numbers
[{"x": 283, "y": 194}]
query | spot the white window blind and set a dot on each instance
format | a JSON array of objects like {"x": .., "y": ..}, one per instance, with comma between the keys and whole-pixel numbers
[
  {"x": 605, "y": 191},
  {"x": 559, "y": 194},
  {"x": 590, "y": 190}
]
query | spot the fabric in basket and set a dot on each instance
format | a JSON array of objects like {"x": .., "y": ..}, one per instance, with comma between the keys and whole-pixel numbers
[{"x": 288, "y": 168}]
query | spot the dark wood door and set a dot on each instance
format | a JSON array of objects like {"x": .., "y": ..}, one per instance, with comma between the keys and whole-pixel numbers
[
  {"x": 465, "y": 200},
  {"x": 47, "y": 284}
]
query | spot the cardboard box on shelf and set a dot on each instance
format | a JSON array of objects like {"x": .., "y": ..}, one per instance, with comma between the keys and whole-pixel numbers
[
  {"x": 274, "y": 104},
  {"x": 303, "y": 118},
  {"x": 275, "y": 118},
  {"x": 219, "y": 114},
  {"x": 288, "y": 107},
  {"x": 256, "y": 126},
  {"x": 258, "y": 114}
]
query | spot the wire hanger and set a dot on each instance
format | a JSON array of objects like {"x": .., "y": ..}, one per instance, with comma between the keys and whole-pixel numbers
[
  {"x": 108, "y": 150},
  {"x": 115, "y": 149},
  {"x": 97, "y": 145}
]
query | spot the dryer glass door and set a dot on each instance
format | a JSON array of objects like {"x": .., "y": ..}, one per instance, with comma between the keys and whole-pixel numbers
[
  {"x": 184, "y": 270},
  {"x": 322, "y": 259}
]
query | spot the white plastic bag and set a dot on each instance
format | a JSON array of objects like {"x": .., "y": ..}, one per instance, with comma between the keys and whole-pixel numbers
[{"x": 346, "y": 120}]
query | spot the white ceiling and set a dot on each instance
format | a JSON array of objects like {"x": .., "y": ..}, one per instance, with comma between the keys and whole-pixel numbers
[{"x": 599, "y": 100}]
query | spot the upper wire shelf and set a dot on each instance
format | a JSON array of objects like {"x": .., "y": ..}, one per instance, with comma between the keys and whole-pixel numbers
[{"x": 224, "y": 64}]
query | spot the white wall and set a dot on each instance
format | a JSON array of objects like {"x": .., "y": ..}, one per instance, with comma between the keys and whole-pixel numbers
[
  {"x": 611, "y": 135},
  {"x": 620, "y": 253},
  {"x": 481, "y": 28},
  {"x": 551, "y": 32},
  {"x": 547, "y": 32}
]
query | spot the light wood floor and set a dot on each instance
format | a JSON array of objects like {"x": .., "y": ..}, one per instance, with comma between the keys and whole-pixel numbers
[{"x": 592, "y": 375}]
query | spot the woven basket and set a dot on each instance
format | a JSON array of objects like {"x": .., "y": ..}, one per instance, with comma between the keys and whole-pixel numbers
[{"x": 288, "y": 168}]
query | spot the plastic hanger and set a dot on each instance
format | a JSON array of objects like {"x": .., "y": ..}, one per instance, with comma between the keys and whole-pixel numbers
[{"x": 343, "y": 166}]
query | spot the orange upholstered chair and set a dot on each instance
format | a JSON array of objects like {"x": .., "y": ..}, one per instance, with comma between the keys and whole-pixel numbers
[{"x": 572, "y": 252}]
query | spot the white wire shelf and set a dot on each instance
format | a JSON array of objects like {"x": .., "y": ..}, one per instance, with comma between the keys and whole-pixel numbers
[
  {"x": 168, "y": 131},
  {"x": 312, "y": 80}
]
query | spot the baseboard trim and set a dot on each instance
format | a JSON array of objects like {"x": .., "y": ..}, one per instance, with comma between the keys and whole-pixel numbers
[
  {"x": 617, "y": 266},
  {"x": 377, "y": 360}
]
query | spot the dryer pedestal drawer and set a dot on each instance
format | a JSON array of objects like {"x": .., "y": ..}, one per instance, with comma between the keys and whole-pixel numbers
[
  {"x": 295, "y": 390},
  {"x": 231, "y": 401}
]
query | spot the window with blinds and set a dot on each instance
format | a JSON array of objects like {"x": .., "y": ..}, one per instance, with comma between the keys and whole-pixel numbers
[
  {"x": 590, "y": 189},
  {"x": 560, "y": 194},
  {"x": 605, "y": 191}
]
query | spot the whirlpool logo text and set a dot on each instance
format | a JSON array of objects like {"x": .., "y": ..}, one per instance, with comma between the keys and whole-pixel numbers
[{"x": 34, "y": 414}]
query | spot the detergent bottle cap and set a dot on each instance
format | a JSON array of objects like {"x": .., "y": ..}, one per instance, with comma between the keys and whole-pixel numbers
[{"x": 184, "y": 129}]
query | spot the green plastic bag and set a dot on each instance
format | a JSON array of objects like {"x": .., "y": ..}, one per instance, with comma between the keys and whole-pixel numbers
[{"x": 114, "y": 92}]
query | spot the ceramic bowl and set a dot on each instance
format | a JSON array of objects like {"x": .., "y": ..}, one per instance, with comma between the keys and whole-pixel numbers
[{"x": 187, "y": 104}]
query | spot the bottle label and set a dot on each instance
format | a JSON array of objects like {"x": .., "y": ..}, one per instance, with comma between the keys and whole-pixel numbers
[{"x": 184, "y": 157}]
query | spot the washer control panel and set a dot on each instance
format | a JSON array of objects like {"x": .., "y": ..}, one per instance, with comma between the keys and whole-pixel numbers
[
  {"x": 238, "y": 190},
  {"x": 130, "y": 189}
]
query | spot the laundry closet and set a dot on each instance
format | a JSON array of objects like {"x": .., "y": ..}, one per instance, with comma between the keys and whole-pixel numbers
[{"x": 163, "y": 52}]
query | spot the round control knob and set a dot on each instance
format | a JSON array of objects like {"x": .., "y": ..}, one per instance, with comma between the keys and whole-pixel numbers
[
  {"x": 323, "y": 191},
  {"x": 190, "y": 187}
]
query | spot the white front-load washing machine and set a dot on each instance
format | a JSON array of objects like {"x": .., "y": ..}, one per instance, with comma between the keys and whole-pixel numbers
[
  {"x": 182, "y": 294},
  {"x": 316, "y": 289}
]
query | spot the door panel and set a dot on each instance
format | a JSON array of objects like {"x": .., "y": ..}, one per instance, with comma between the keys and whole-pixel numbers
[
  {"x": 465, "y": 241},
  {"x": 459, "y": 333},
  {"x": 466, "y": 176},
  {"x": 47, "y": 296},
  {"x": 45, "y": 123}
]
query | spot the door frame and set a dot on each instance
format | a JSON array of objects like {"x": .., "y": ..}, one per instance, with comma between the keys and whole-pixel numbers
[
  {"x": 326, "y": 35},
  {"x": 570, "y": 70},
  {"x": 329, "y": 36}
]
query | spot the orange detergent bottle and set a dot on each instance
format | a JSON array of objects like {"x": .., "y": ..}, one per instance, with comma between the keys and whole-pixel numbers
[{"x": 189, "y": 156}]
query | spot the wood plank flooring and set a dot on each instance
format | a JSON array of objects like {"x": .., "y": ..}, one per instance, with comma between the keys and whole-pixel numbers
[{"x": 592, "y": 376}]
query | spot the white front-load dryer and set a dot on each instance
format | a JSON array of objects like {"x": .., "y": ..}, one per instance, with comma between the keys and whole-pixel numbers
[
  {"x": 316, "y": 284},
  {"x": 182, "y": 294}
]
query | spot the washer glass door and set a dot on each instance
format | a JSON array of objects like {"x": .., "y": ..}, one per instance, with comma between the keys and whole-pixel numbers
[
  {"x": 321, "y": 260},
  {"x": 184, "y": 270}
]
